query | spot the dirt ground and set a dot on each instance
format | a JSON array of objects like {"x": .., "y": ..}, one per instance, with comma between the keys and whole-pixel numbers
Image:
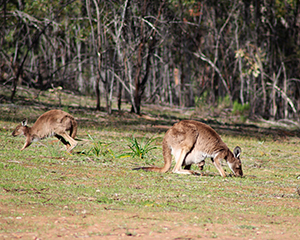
[{"x": 115, "y": 224}]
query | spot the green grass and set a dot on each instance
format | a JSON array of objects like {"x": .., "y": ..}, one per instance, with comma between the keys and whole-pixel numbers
[{"x": 45, "y": 182}]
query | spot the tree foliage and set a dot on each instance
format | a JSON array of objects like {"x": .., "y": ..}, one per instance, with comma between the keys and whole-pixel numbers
[{"x": 170, "y": 51}]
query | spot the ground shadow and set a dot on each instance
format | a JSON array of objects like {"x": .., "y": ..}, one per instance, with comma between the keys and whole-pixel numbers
[{"x": 147, "y": 122}]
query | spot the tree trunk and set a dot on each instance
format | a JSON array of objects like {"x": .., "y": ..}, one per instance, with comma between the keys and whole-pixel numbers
[
  {"x": 79, "y": 62},
  {"x": 285, "y": 102}
]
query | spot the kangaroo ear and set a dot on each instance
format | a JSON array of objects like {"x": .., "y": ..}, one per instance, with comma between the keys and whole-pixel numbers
[
  {"x": 237, "y": 152},
  {"x": 24, "y": 122}
]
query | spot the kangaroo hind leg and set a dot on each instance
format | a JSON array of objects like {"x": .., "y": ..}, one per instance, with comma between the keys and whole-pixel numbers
[
  {"x": 68, "y": 141},
  {"x": 179, "y": 161}
]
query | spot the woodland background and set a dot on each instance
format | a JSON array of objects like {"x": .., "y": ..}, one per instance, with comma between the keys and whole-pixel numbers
[{"x": 174, "y": 52}]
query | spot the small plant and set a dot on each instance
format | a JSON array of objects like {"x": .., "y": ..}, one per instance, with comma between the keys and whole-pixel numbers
[
  {"x": 200, "y": 101},
  {"x": 242, "y": 110},
  {"x": 224, "y": 101},
  {"x": 128, "y": 233},
  {"x": 141, "y": 149},
  {"x": 238, "y": 108},
  {"x": 247, "y": 227},
  {"x": 100, "y": 149}
]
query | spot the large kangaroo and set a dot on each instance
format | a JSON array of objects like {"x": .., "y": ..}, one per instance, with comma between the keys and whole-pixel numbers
[
  {"x": 191, "y": 142},
  {"x": 52, "y": 123}
]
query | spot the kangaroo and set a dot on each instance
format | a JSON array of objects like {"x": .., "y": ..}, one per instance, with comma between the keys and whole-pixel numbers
[
  {"x": 52, "y": 123},
  {"x": 191, "y": 142}
]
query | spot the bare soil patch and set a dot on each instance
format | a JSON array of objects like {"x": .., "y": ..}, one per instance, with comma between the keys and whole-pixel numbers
[{"x": 117, "y": 224}]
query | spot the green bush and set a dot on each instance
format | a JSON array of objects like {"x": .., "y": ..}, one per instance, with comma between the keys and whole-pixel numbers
[{"x": 240, "y": 109}]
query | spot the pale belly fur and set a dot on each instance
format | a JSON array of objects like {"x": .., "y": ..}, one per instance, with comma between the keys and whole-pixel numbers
[{"x": 193, "y": 157}]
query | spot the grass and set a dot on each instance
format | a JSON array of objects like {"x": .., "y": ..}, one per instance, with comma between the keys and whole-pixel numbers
[{"x": 44, "y": 189}]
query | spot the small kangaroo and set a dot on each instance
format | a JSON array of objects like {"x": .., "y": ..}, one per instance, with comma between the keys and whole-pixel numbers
[
  {"x": 191, "y": 142},
  {"x": 52, "y": 123}
]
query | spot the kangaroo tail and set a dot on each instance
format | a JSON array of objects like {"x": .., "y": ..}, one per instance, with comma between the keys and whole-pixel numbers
[{"x": 167, "y": 158}]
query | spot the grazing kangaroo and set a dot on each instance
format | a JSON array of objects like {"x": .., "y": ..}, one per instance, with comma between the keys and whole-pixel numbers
[
  {"x": 191, "y": 142},
  {"x": 52, "y": 123}
]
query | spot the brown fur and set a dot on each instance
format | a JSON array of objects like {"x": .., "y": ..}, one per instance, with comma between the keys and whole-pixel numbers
[
  {"x": 191, "y": 142},
  {"x": 52, "y": 123}
]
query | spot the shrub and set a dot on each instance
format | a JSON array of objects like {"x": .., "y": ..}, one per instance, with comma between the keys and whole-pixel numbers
[{"x": 240, "y": 109}]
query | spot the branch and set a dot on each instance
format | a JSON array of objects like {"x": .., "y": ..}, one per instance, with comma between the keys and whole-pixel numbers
[
  {"x": 121, "y": 81},
  {"x": 283, "y": 94},
  {"x": 204, "y": 58}
]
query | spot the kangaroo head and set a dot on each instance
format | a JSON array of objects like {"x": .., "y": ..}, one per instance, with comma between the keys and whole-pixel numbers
[
  {"x": 235, "y": 163},
  {"x": 21, "y": 128}
]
